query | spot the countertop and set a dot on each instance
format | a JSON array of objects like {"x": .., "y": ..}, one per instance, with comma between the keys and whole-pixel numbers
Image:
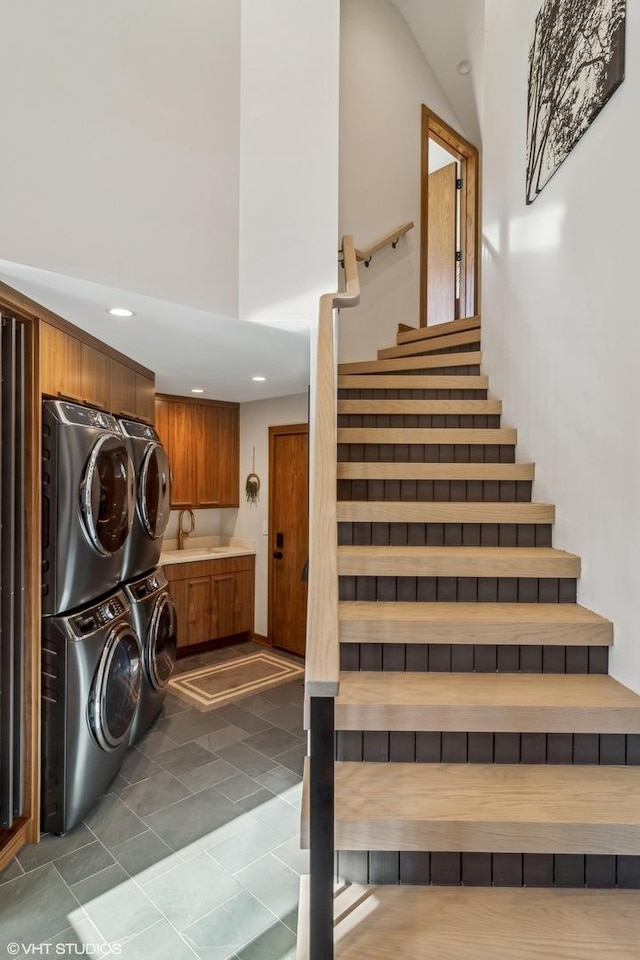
[{"x": 205, "y": 548}]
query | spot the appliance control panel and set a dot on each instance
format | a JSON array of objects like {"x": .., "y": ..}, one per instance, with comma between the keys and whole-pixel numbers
[
  {"x": 147, "y": 587},
  {"x": 99, "y": 616},
  {"x": 139, "y": 431},
  {"x": 87, "y": 416}
]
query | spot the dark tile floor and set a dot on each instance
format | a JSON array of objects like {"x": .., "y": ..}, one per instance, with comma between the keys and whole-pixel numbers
[{"x": 194, "y": 852}]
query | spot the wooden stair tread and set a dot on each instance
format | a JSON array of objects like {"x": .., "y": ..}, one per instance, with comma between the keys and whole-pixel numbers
[
  {"x": 457, "y": 562},
  {"x": 428, "y": 362},
  {"x": 485, "y": 808},
  {"x": 390, "y": 511},
  {"x": 413, "y": 407},
  {"x": 429, "y": 345},
  {"x": 379, "y": 470},
  {"x": 486, "y": 702},
  {"x": 437, "y": 330},
  {"x": 474, "y": 923},
  {"x": 563, "y": 624},
  {"x": 374, "y": 381},
  {"x": 506, "y": 436}
]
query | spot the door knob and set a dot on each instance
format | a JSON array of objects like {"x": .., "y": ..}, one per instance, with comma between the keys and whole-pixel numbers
[{"x": 277, "y": 555}]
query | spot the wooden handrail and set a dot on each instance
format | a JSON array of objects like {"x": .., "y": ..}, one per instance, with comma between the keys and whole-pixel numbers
[
  {"x": 322, "y": 668},
  {"x": 389, "y": 238}
]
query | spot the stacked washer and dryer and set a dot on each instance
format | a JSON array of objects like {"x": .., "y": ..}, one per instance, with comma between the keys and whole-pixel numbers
[{"x": 109, "y": 624}]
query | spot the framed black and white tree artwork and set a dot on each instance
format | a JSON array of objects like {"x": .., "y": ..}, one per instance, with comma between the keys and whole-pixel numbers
[{"x": 576, "y": 63}]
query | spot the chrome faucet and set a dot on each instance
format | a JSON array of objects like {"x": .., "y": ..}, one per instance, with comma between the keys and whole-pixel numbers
[{"x": 185, "y": 533}]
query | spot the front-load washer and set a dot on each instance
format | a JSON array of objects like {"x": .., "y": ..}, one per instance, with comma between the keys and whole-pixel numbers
[
  {"x": 154, "y": 619},
  {"x": 87, "y": 505},
  {"x": 91, "y": 680},
  {"x": 153, "y": 498}
]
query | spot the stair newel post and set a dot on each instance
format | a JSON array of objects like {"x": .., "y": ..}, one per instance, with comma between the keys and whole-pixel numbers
[{"x": 321, "y": 826}]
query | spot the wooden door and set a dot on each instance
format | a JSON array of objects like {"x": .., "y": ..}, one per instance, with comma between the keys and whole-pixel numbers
[
  {"x": 60, "y": 374},
  {"x": 288, "y": 535},
  {"x": 223, "y": 605},
  {"x": 96, "y": 377},
  {"x": 243, "y": 611},
  {"x": 199, "y": 610},
  {"x": 177, "y": 429},
  {"x": 441, "y": 255},
  {"x": 218, "y": 455},
  {"x": 144, "y": 396},
  {"x": 123, "y": 388}
]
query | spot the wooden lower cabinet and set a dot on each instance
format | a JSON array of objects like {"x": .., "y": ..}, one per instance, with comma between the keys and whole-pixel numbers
[{"x": 214, "y": 599}]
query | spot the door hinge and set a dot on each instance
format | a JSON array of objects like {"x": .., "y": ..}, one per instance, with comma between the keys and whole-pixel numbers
[
  {"x": 459, "y": 184},
  {"x": 458, "y": 256}
]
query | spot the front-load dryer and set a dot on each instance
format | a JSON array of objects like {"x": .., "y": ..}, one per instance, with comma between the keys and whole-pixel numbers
[
  {"x": 91, "y": 681},
  {"x": 154, "y": 619},
  {"x": 153, "y": 498},
  {"x": 87, "y": 505}
]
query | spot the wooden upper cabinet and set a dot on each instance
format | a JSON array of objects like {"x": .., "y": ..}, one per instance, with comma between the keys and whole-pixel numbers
[
  {"x": 95, "y": 373},
  {"x": 77, "y": 370},
  {"x": 202, "y": 442},
  {"x": 123, "y": 389},
  {"x": 145, "y": 393},
  {"x": 60, "y": 364}
]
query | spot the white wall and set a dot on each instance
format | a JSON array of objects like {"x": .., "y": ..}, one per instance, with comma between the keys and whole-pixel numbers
[
  {"x": 248, "y": 520},
  {"x": 121, "y": 161},
  {"x": 560, "y": 328},
  {"x": 288, "y": 159},
  {"x": 384, "y": 80}
]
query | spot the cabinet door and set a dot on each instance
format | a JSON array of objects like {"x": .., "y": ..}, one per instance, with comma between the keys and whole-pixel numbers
[
  {"x": 218, "y": 456},
  {"x": 177, "y": 428},
  {"x": 243, "y": 602},
  {"x": 123, "y": 389},
  {"x": 223, "y": 596},
  {"x": 199, "y": 620},
  {"x": 95, "y": 374},
  {"x": 144, "y": 396},
  {"x": 229, "y": 460},
  {"x": 179, "y": 592},
  {"x": 60, "y": 363}
]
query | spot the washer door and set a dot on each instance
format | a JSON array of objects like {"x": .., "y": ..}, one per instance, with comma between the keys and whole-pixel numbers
[
  {"x": 106, "y": 495},
  {"x": 162, "y": 642},
  {"x": 154, "y": 491},
  {"x": 116, "y": 688}
]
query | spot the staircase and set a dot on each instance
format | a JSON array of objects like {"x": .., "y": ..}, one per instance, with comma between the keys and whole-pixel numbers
[{"x": 487, "y": 775}]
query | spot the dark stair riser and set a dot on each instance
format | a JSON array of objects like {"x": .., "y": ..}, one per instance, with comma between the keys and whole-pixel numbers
[
  {"x": 473, "y": 658},
  {"x": 426, "y": 453},
  {"x": 439, "y": 351},
  {"x": 388, "y": 394},
  {"x": 444, "y": 534},
  {"x": 569, "y": 749},
  {"x": 400, "y": 421},
  {"x": 439, "y": 491},
  {"x": 489, "y": 869},
  {"x": 459, "y": 589}
]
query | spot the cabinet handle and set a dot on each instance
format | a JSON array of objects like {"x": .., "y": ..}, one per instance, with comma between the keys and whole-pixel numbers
[
  {"x": 94, "y": 403},
  {"x": 128, "y": 414},
  {"x": 70, "y": 396}
]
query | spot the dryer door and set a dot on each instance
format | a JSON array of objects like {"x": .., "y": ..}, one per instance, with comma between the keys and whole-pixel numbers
[
  {"x": 116, "y": 688},
  {"x": 162, "y": 641},
  {"x": 106, "y": 495},
  {"x": 154, "y": 491}
]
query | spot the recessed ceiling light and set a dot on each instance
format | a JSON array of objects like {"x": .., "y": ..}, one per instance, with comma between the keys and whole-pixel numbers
[
  {"x": 258, "y": 379},
  {"x": 464, "y": 67},
  {"x": 197, "y": 390},
  {"x": 121, "y": 312}
]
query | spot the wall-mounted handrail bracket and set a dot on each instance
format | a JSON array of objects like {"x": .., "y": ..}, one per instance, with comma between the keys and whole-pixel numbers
[{"x": 389, "y": 239}]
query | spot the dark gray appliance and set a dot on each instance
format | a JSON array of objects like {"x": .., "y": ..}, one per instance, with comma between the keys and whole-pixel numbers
[
  {"x": 91, "y": 680},
  {"x": 153, "y": 498},
  {"x": 87, "y": 505},
  {"x": 154, "y": 619}
]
